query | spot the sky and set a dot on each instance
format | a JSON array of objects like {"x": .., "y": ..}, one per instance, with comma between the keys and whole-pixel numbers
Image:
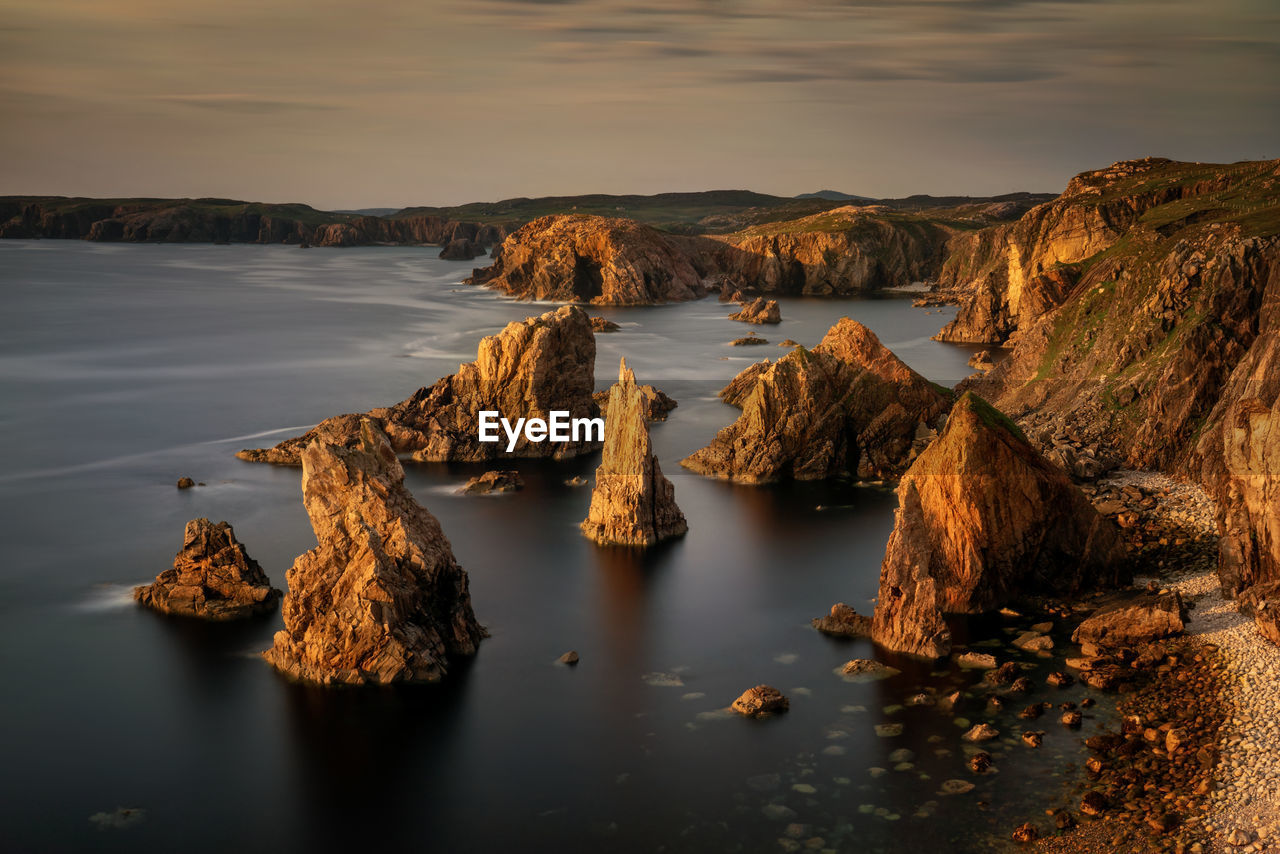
[{"x": 388, "y": 104}]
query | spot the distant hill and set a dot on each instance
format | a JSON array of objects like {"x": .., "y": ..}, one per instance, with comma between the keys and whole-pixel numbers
[
  {"x": 835, "y": 196},
  {"x": 368, "y": 211}
]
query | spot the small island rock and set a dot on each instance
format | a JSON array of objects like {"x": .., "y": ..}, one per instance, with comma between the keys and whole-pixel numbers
[{"x": 212, "y": 578}]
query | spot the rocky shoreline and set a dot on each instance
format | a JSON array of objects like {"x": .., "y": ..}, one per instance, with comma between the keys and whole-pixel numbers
[{"x": 1216, "y": 688}]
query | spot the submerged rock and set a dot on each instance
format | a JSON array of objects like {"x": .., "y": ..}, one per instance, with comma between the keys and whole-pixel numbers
[
  {"x": 185, "y": 483},
  {"x": 212, "y": 578},
  {"x": 761, "y": 701},
  {"x": 759, "y": 310},
  {"x": 381, "y": 599},
  {"x": 528, "y": 369},
  {"x": 632, "y": 503},
  {"x": 1133, "y": 620},
  {"x": 844, "y": 622},
  {"x": 849, "y": 406},
  {"x": 493, "y": 481},
  {"x": 982, "y": 518}
]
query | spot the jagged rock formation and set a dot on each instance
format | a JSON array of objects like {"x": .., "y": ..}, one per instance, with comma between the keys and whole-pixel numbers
[
  {"x": 528, "y": 369},
  {"x": 748, "y": 341},
  {"x": 212, "y": 578},
  {"x": 1262, "y": 602},
  {"x": 603, "y": 324},
  {"x": 632, "y": 504},
  {"x": 656, "y": 404},
  {"x": 598, "y": 260},
  {"x": 983, "y": 518},
  {"x": 759, "y": 310},
  {"x": 1157, "y": 347},
  {"x": 849, "y": 406},
  {"x": 844, "y": 622},
  {"x": 381, "y": 598}
]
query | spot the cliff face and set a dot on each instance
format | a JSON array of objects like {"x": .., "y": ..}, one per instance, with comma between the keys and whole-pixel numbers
[
  {"x": 212, "y": 578},
  {"x": 849, "y": 406},
  {"x": 632, "y": 504},
  {"x": 593, "y": 259},
  {"x": 528, "y": 369},
  {"x": 226, "y": 221},
  {"x": 1163, "y": 351},
  {"x": 840, "y": 252},
  {"x": 983, "y": 517},
  {"x": 381, "y": 598}
]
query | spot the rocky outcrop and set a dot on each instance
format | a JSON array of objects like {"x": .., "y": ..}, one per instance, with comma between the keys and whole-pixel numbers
[
  {"x": 761, "y": 702},
  {"x": 759, "y": 310},
  {"x": 598, "y": 260},
  {"x": 493, "y": 481},
  {"x": 381, "y": 598},
  {"x": 982, "y": 519},
  {"x": 462, "y": 249},
  {"x": 844, "y": 622},
  {"x": 1163, "y": 352},
  {"x": 656, "y": 405},
  {"x": 527, "y": 370},
  {"x": 212, "y": 578},
  {"x": 751, "y": 340},
  {"x": 1262, "y": 603},
  {"x": 1132, "y": 621},
  {"x": 632, "y": 504},
  {"x": 849, "y": 406},
  {"x": 603, "y": 324},
  {"x": 840, "y": 252}
]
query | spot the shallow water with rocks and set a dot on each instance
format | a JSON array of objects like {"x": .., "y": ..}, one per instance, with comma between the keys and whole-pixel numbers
[{"x": 125, "y": 367}]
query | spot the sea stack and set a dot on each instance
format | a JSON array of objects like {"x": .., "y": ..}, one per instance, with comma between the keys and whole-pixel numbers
[
  {"x": 847, "y": 407},
  {"x": 213, "y": 578},
  {"x": 632, "y": 503},
  {"x": 531, "y": 367},
  {"x": 381, "y": 598},
  {"x": 983, "y": 518}
]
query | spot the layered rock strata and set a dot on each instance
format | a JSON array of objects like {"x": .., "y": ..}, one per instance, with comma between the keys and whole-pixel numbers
[
  {"x": 632, "y": 503},
  {"x": 847, "y": 407},
  {"x": 758, "y": 310},
  {"x": 381, "y": 598},
  {"x": 212, "y": 578}
]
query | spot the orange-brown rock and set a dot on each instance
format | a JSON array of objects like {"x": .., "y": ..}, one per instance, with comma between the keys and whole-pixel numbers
[
  {"x": 528, "y": 369},
  {"x": 1131, "y": 621},
  {"x": 761, "y": 702},
  {"x": 982, "y": 519},
  {"x": 603, "y": 324},
  {"x": 212, "y": 578},
  {"x": 381, "y": 598},
  {"x": 594, "y": 259},
  {"x": 849, "y": 406},
  {"x": 632, "y": 503},
  {"x": 657, "y": 405},
  {"x": 1159, "y": 347},
  {"x": 759, "y": 310},
  {"x": 844, "y": 622}
]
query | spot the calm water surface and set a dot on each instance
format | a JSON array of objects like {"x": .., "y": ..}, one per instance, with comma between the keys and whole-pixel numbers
[{"x": 124, "y": 367}]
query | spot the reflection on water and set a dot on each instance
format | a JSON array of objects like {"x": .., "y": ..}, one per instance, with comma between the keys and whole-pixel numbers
[{"x": 126, "y": 367}]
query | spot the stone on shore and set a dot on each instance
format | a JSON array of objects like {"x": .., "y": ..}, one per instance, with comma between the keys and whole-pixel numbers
[
  {"x": 632, "y": 503},
  {"x": 761, "y": 701},
  {"x": 983, "y": 518},
  {"x": 213, "y": 578},
  {"x": 381, "y": 598},
  {"x": 1132, "y": 621}
]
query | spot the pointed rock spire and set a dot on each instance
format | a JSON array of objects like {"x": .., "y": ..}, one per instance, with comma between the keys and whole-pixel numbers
[{"x": 632, "y": 503}]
